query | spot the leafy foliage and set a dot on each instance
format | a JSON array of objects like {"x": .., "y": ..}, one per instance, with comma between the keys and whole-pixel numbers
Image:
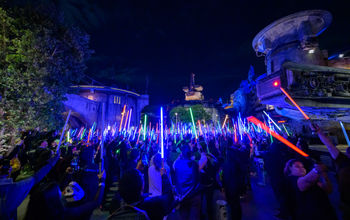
[
  {"x": 40, "y": 59},
  {"x": 183, "y": 114}
]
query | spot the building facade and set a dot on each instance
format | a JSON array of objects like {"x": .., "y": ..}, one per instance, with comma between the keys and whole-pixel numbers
[{"x": 87, "y": 100}]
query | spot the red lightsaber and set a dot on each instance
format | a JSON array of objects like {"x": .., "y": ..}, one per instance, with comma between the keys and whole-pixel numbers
[
  {"x": 275, "y": 84},
  {"x": 275, "y": 135},
  {"x": 235, "y": 129},
  {"x": 88, "y": 140},
  {"x": 138, "y": 137}
]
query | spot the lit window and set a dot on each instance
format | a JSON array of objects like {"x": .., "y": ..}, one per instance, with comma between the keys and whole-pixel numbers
[
  {"x": 116, "y": 100},
  {"x": 312, "y": 51},
  {"x": 91, "y": 97},
  {"x": 270, "y": 107}
]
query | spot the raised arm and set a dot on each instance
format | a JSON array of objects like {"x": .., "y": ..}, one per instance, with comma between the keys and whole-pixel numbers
[
  {"x": 326, "y": 141},
  {"x": 38, "y": 176},
  {"x": 305, "y": 182},
  {"x": 23, "y": 187}
]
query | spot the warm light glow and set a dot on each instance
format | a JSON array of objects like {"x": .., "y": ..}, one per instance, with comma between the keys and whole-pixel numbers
[
  {"x": 200, "y": 127},
  {"x": 275, "y": 84},
  {"x": 128, "y": 127},
  {"x": 121, "y": 121},
  {"x": 223, "y": 124},
  {"x": 91, "y": 97},
  {"x": 295, "y": 104},
  {"x": 277, "y": 136}
]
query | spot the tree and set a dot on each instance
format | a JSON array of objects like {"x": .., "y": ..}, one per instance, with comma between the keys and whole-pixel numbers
[
  {"x": 40, "y": 58},
  {"x": 183, "y": 114}
]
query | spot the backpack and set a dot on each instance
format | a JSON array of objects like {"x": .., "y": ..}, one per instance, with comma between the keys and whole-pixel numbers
[{"x": 129, "y": 212}]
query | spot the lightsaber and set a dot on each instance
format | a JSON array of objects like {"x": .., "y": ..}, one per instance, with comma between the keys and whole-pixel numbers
[
  {"x": 345, "y": 134},
  {"x": 82, "y": 134},
  {"x": 144, "y": 128},
  {"x": 161, "y": 134},
  {"x": 277, "y": 136},
  {"x": 126, "y": 120},
  {"x": 224, "y": 121},
  {"x": 194, "y": 126},
  {"x": 272, "y": 120},
  {"x": 295, "y": 104},
  {"x": 270, "y": 131},
  {"x": 121, "y": 122},
  {"x": 101, "y": 165},
  {"x": 80, "y": 131},
  {"x": 88, "y": 140},
  {"x": 235, "y": 130},
  {"x": 93, "y": 127},
  {"x": 68, "y": 136},
  {"x": 287, "y": 130},
  {"x": 128, "y": 127},
  {"x": 138, "y": 137},
  {"x": 62, "y": 134},
  {"x": 135, "y": 131},
  {"x": 200, "y": 127},
  {"x": 74, "y": 132}
]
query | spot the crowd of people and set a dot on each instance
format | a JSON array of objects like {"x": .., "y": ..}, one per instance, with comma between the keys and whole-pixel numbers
[{"x": 198, "y": 178}]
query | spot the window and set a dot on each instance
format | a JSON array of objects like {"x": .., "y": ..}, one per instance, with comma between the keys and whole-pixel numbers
[
  {"x": 91, "y": 97},
  {"x": 116, "y": 100},
  {"x": 270, "y": 107}
]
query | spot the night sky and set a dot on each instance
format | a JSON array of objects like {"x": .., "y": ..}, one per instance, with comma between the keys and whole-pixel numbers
[{"x": 167, "y": 40}]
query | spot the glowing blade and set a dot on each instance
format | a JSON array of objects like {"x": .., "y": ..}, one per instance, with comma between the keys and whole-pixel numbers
[{"x": 277, "y": 136}]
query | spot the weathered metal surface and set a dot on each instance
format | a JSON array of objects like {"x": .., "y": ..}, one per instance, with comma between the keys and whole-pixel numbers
[{"x": 294, "y": 59}]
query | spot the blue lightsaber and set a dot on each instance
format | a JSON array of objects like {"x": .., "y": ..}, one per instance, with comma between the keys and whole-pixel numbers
[
  {"x": 272, "y": 121},
  {"x": 161, "y": 134},
  {"x": 345, "y": 134}
]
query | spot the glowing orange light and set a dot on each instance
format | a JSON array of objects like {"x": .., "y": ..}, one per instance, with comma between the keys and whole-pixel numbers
[
  {"x": 275, "y": 84},
  {"x": 275, "y": 135},
  {"x": 281, "y": 121},
  {"x": 295, "y": 104},
  {"x": 200, "y": 127},
  {"x": 235, "y": 130},
  {"x": 121, "y": 122},
  {"x": 88, "y": 140}
]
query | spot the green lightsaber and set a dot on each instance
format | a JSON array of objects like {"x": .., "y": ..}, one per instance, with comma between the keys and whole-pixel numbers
[
  {"x": 194, "y": 126},
  {"x": 144, "y": 128}
]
